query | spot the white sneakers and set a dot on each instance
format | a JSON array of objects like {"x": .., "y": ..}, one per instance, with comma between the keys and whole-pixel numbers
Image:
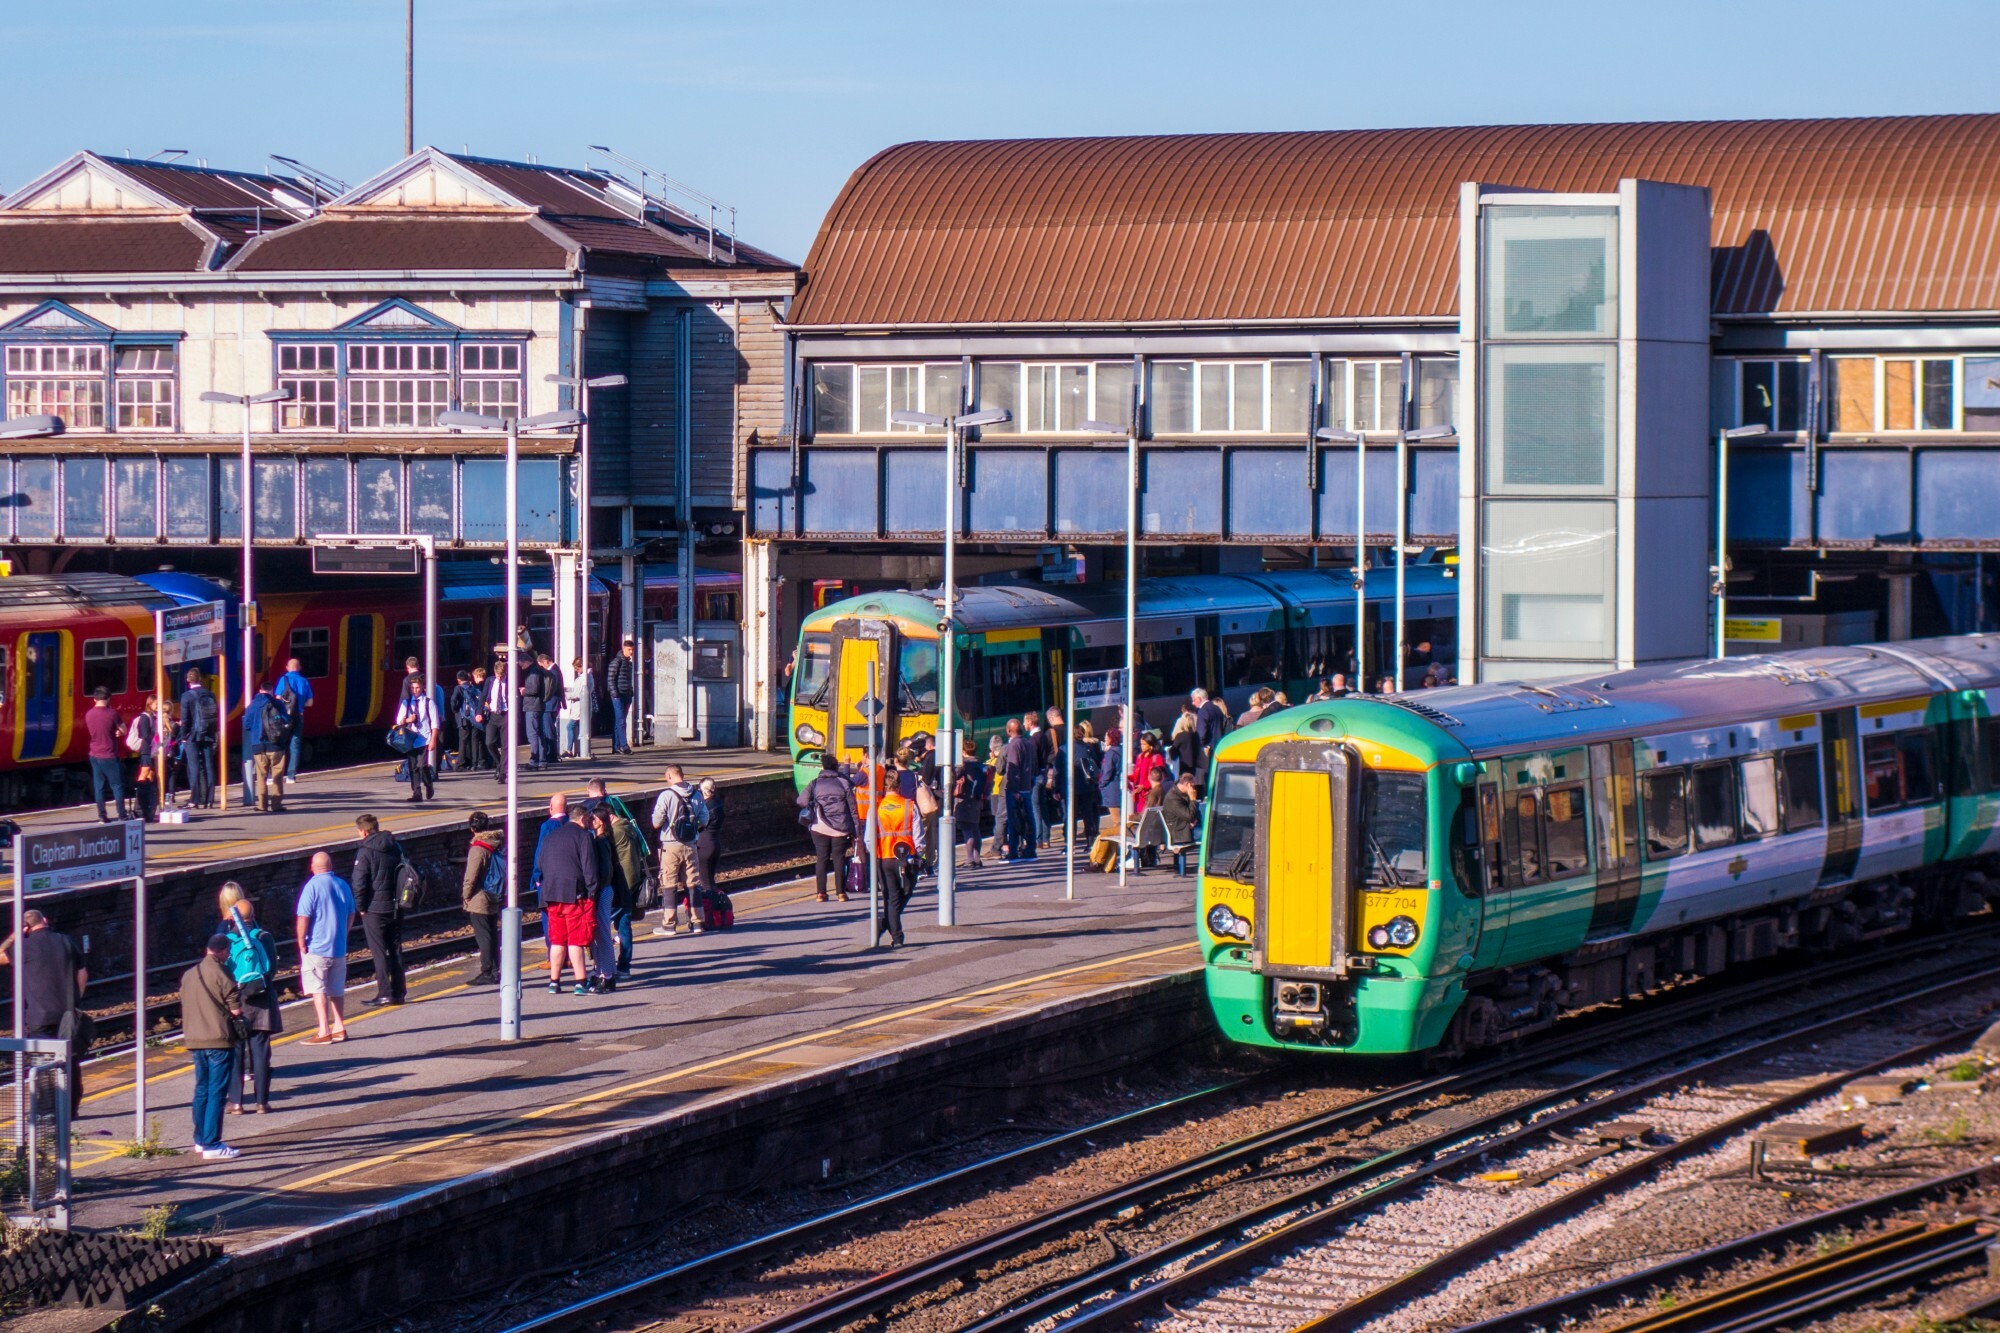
[{"x": 221, "y": 1152}]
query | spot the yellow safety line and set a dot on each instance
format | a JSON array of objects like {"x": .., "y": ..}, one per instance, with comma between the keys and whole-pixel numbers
[{"x": 543, "y": 1112}]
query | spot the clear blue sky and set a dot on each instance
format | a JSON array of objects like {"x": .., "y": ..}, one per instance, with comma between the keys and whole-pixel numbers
[{"x": 771, "y": 105}]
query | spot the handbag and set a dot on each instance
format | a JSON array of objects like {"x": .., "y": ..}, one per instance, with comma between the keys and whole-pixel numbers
[
  {"x": 927, "y": 801},
  {"x": 404, "y": 740}
]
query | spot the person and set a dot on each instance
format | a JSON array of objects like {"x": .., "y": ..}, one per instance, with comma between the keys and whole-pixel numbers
[
  {"x": 1044, "y": 740},
  {"x": 566, "y": 870},
  {"x": 1145, "y": 763},
  {"x": 898, "y": 849},
  {"x": 708, "y": 844},
  {"x": 201, "y": 728},
  {"x": 53, "y": 979},
  {"x": 1085, "y": 758},
  {"x": 1337, "y": 687},
  {"x": 596, "y": 821},
  {"x": 266, "y": 744},
  {"x": 1180, "y": 809},
  {"x": 262, "y": 1018},
  {"x": 576, "y": 708},
  {"x": 142, "y": 742},
  {"x": 1111, "y": 771},
  {"x": 374, "y": 880},
  {"x": 835, "y": 821},
  {"x": 677, "y": 819},
  {"x": 211, "y": 1011},
  {"x": 623, "y": 680},
  {"x": 969, "y": 789},
  {"x": 495, "y": 718},
  {"x": 295, "y": 692},
  {"x": 1255, "y": 709},
  {"x": 1386, "y": 685},
  {"x": 488, "y": 842},
  {"x": 996, "y": 789},
  {"x": 553, "y": 695},
  {"x": 628, "y": 857},
  {"x": 1023, "y": 764},
  {"x": 107, "y": 776},
  {"x": 1208, "y": 721},
  {"x": 1184, "y": 745},
  {"x": 1277, "y": 703},
  {"x": 534, "y": 687},
  {"x": 465, "y": 706},
  {"x": 418, "y": 714},
  {"x": 325, "y": 907}
]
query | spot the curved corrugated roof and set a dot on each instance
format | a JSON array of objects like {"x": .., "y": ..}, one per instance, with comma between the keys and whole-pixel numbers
[{"x": 1873, "y": 214}]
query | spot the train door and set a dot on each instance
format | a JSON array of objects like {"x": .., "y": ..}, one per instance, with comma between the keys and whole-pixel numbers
[
  {"x": 858, "y": 647},
  {"x": 1840, "y": 758},
  {"x": 44, "y": 696},
  {"x": 1305, "y": 866},
  {"x": 1615, "y": 798},
  {"x": 360, "y": 688},
  {"x": 1492, "y": 871}
]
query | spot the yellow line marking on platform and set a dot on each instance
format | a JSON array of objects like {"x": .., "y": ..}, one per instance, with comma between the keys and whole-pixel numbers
[{"x": 526, "y": 1118}]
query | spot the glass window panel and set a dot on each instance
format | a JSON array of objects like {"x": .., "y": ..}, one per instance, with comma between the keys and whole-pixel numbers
[
  {"x": 1550, "y": 413},
  {"x": 1333, "y": 394},
  {"x": 1564, "y": 832},
  {"x": 483, "y": 500},
  {"x": 1551, "y": 271},
  {"x": 496, "y": 397},
  {"x": 1214, "y": 405},
  {"x": 905, "y": 393},
  {"x": 1757, "y": 398},
  {"x": 314, "y": 405},
  {"x": 83, "y": 497},
  {"x": 430, "y": 496},
  {"x": 1112, "y": 400},
  {"x": 386, "y": 404},
  {"x": 1267, "y": 493},
  {"x": 913, "y": 491},
  {"x": 943, "y": 388},
  {"x": 1246, "y": 396},
  {"x": 1918, "y": 748},
  {"x": 80, "y": 403},
  {"x": 840, "y": 491},
  {"x": 1009, "y": 492},
  {"x": 1760, "y": 797},
  {"x": 1523, "y": 838},
  {"x": 1291, "y": 396},
  {"x": 326, "y": 497},
  {"x": 1180, "y": 492},
  {"x": 378, "y": 499},
  {"x": 1801, "y": 768},
  {"x": 1982, "y": 393},
  {"x": 1550, "y": 579},
  {"x": 1791, "y": 378},
  {"x": 871, "y": 415},
  {"x": 35, "y": 498},
  {"x": 1437, "y": 392},
  {"x": 1072, "y": 397},
  {"x": 1937, "y": 395},
  {"x": 1000, "y": 386},
  {"x": 277, "y": 499},
  {"x": 541, "y": 500},
  {"x": 1852, "y": 392},
  {"x": 1899, "y": 395},
  {"x": 833, "y": 399},
  {"x": 1090, "y": 491},
  {"x": 136, "y": 494},
  {"x": 1170, "y": 398},
  {"x": 145, "y": 404},
  {"x": 1038, "y": 398},
  {"x": 1714, "y": 805},
  {"x": 189, "y": 501}
]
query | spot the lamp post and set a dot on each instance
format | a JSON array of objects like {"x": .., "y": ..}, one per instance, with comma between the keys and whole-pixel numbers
[
  {"x": 510, "y": 918},
  {"x": 1130, "y": 740},
  {"x": 583, "y": 387},
  {"x": 1404, "y": 438},
  {"x": 947, "y": 730},
  {"x": 247, "y": 603},
  {"x": 1359, "y": 439},
  {"x": 1720, "y": 586}
]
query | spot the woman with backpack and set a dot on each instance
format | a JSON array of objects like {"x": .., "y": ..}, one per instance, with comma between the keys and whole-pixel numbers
[
  {"x": 970, "y": 787},
  {"x": 252, "y": 957},
  {"x": 708, "y": 847},
  {"x": 827, "y": 809},
  {"x": 142, "y": 742},
  {"x": 417, "y": 715},
  {"x": 483, "y": 891}
]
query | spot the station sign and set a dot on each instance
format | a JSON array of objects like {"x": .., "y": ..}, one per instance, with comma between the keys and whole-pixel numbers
[
  {"x": 63, "y": 858},
  {"x": 190, "y": 633},
  {"x": 1753, "y": 629},
  {"x": 1100, "y": 689},
  {"x": 366, "y": 560}
]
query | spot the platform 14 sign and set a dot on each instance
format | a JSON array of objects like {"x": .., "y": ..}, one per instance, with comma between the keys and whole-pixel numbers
[
  {"x": 190, "y": 633},
  {"x": 84, "y": 854}
]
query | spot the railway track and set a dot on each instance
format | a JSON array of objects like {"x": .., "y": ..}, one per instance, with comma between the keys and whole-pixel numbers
[{"x": 1314, "y": 1146}]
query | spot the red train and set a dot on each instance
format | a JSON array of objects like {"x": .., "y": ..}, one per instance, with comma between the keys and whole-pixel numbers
[{"x": 63, "y": 636}]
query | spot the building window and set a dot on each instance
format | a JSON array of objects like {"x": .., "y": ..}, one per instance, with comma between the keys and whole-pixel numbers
[
  {"x": 1896, "y": 393},
  {"x": 145, "y": 387},
  {"x": 860, "y": 399},
  {"x": 393, "y": 386},
  {"x": 490, "y": 378},
  {"x": 57, "y": 379},
  {"x": 1765, "y": 393},
  {"x": 308, "y": 371},
  {"x": 105, "y": 664}
]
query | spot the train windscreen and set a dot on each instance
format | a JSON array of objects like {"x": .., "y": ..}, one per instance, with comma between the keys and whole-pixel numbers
[
  {"x": 1232, "y": 823},
  {"x": 814, "y": 665},
  {"x": 1393, "y": 817},
  {"x": 917, "y": 674}
]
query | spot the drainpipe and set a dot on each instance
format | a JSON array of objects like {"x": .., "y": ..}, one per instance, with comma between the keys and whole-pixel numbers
[{"x": 684, "y": 508}]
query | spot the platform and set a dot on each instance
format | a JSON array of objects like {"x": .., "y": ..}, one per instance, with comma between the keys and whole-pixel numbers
[{"x": 425, "y": 1094}]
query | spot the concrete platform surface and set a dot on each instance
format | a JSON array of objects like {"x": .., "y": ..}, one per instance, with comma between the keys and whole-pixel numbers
[{"x": 425, "y": 1093}]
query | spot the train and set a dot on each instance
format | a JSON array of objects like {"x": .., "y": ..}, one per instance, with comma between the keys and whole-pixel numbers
[
  {"x": 1230, "y": 634},
  {"x": 63, "y": 636},
  {"x": 1456, "y": 868}
]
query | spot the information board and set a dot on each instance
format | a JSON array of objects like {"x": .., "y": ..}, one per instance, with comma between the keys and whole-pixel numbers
[
  {"x": 62, "y": 858},
  {"x": 1100, "y": 689},
  {"x": 191, "y": 633}
]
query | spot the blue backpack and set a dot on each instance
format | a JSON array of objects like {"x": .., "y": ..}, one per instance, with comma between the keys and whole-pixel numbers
[{"x": 249, "y": 960}]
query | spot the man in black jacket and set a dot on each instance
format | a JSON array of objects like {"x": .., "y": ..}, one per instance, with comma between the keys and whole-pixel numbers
[
  {"x": 622, "y": 679},
  {"x": 566, "y": 869},
  {"x": 534, "y": 689},
  {"x": 374, "y": 880},
  {"x": 200, "y": 729}
]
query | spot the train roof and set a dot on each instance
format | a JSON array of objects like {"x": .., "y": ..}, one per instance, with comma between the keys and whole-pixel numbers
[
  {"x": 38, "y": 593},
  {"x": 1513, "y": 716}
]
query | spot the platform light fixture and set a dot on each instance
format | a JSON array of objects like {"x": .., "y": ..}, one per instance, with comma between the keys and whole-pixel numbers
[
  {"x": 583, "y": 385},
  {"x": 510, "y": 917},
  {"x": 30, "y": 428},
  {"x": 954, "y": 428},
  {"x": 1719, "y": 585}
]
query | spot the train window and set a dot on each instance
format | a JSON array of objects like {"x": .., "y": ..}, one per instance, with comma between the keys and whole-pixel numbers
[
  {"x": 106, "y": 665},
  {"x": 1714, "y": 805},
  {"x": 1663, "y": 808},
  {"x": 918, "y": 670},
  {"x": 810, "y": 671},
  {"x": 1166, "y": 667},
  {"x": 1013, "y": 684},
  {"x": 1758, "y": 779},
  {"x": 147, "y": 666},
  {"x": 310, "y": 646},
  {"x": 455, "y": 642},
  {"x": 1988, "y": 730},
  {"x": 1564, "y": 832},
  {"x": 1523, "y": 838},
  {"x": 1250, "y": 659},
  {"x": 6, "y": 676},
  {"x": 1396, "y": 826},
  {"x": 408, "y": 642},
  {"x": 1232, "y": 823},
  {"x": 1918, "y": 747},
  {"x": 1801, "y": 768},
  {"x": 1883, "y": 772}
]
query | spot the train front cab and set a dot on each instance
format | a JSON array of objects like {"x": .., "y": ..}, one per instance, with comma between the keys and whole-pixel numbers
[{"x": 1321, "y": 923}]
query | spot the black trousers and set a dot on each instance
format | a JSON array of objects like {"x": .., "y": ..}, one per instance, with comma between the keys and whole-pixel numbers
[
  {"x": 251, "y": 1056},
  {"x": 898, "y": 879},
  {"x": 145, "y": 794},
  {"x": 496, "y": 744},
  {"x": 707, "y": 856},
  {"x": 385, "y": 943},
  {"x": 201, "y": 771},
  {"x": 489, "y": 947},
  {"x": 829, "y": 854}
]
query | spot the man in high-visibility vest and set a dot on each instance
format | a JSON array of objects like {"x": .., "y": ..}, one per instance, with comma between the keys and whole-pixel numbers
[{"x": 898, "y": 848}]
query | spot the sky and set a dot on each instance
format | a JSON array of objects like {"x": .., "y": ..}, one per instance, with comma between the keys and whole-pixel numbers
[{"x": 771, "y": 106}]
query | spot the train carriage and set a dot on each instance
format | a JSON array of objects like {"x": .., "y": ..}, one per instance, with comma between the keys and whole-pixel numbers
[{"x": 1459, "y": 867}]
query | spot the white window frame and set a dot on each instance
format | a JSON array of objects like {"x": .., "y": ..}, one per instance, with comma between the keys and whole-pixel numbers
[
  {"x": 60, "y": 379},
  {"x": 428, "y": 395},
  {"x": 160, "y": 380},
  {"x": 1881, "y": 395},
  {"x": 1349, "y": 401},
  {"x": 299, "y": 377},
  {"x": 889, "y": 369}
]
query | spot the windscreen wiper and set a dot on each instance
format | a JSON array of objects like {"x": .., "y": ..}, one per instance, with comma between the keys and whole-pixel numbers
[
  {"x": 1245, "y": 863},
  {"x": 1390, "y": 875}
]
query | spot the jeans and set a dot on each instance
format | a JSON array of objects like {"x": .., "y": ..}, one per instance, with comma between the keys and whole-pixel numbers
[
  {"x": 385, "y": 944},
  {"x": 552, "y": 729},
  {"x": 107, "y": 782},
  {"x": 211, "y": 1090},
  {"x": 292, "y": 765},
  {"x": 604, "y": 945},
  {"x": 538, "y": 745},
  {"x": 621, "y": 733},
  {"x": 489, "y": 947},
  {"x": 1021, "y": 824},
  {"x": 829, "y": 854},
  {"x": 621, "y": 922},
  {"x": 201, "y": 771},
  {"x": 572, "y": 736},
  {"x": 251, "y": 1056}
]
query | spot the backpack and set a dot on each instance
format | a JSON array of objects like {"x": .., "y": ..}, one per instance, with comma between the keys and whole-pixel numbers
[
  {"x": 205, "y": 714},
  {"x": 685, "y": 827},
  {"x": 136, "y": 734},
  {"x": 409, "y": 885},
  {"x": 249, "y": 960},
  {"x": 493, "y": 883},
  {"x": 274, "y": 728}
]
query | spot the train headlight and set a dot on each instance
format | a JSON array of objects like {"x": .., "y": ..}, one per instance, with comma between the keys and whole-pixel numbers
[
  {"x": 1225, "y": 924},
  {"x": 1402, "y": 932},
  {"x": 809, "y": 735}
]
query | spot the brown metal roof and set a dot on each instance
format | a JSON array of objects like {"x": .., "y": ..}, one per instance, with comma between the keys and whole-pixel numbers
[
  {"x": 101, "y": 245},
  {"x": 399, "y": 242},
  {"x": 560, "y": 190},
  {"x": 1877, "y": 214},
  {"x": 209, "y": 187}
]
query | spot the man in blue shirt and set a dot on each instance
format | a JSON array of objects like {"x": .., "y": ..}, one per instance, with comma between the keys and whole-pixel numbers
[
  {"x": 325, "y": 907},
  {"x": 264, "y": 757},
  {"x": 295, "y": 692}
]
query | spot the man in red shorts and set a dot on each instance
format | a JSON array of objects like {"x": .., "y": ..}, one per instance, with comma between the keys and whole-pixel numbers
[{"x": 566, "y": 870}]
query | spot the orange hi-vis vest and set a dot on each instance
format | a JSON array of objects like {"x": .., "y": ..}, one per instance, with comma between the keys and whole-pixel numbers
[{"x": 895, "y": 820}]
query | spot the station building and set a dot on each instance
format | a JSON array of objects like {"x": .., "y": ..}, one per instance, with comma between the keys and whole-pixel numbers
[
  {"x": 129, "y": 287},
  {"x": 1567, "y": 315}
]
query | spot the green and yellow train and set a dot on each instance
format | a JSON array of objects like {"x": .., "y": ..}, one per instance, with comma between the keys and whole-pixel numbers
[{"x": 1459, "y": 867}]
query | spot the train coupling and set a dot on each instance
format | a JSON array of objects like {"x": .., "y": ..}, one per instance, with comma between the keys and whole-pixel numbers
[{"x": 1309, "y": 1011}]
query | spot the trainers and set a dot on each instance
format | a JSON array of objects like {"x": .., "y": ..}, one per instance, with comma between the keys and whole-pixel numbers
[
  {"x": 663, "y": 932},
  {"x": 221, "y": 1152},
  {"x": 582, "y": 988},
  {"x": 555, "y": 988}
]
